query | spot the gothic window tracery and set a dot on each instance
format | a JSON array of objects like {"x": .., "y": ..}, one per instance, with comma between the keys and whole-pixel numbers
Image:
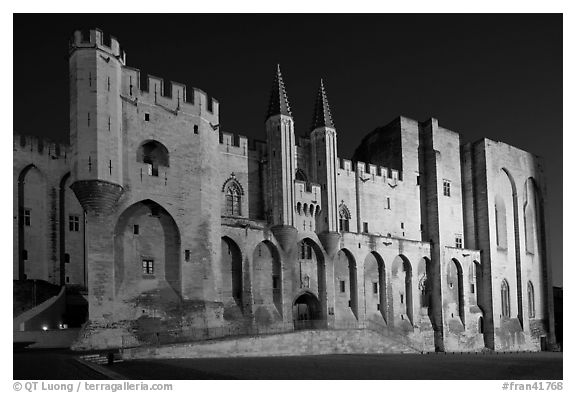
[
  {"x": 233, "y": 200},
  {"x": 344, "y": 215}
]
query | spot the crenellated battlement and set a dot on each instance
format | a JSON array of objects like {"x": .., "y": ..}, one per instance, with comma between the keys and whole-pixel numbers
[
  {"x": 307, "y": 197},
  {"x": 375, "y": 171},
  {"x": 42, "y": 146},
  {"x": 95, "y": 38},
  {"x": 172, "y": 96},
  {"x": 234, "y": 143}
]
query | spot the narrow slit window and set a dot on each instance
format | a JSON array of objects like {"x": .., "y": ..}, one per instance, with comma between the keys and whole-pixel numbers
[{"x": 446, "y": 187}]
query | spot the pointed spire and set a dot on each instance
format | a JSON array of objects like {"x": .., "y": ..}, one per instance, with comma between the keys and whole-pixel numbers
[
  {"x": 278, "y": 104},
  {"x": 322, "y": 116}
]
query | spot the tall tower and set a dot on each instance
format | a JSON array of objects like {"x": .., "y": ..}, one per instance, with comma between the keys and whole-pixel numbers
[
  {"x": 324, "y": 163},
  {"x": 96, "y": 120},
  {"x": 281, "y": 163}
]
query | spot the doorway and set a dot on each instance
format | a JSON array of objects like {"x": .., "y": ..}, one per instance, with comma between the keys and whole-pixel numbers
[{"x": 306, "y": 312}]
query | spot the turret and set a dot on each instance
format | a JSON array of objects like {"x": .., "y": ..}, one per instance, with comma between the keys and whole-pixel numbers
[
  {"x": 281, "y": 161},
  {"x": 96, "y": 119},
  {"x": 324, "y": 168},
  {"x": 323, "y": 145}
]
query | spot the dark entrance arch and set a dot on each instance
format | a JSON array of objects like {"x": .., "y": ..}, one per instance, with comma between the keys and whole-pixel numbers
[{"x": 306, "y": 312}]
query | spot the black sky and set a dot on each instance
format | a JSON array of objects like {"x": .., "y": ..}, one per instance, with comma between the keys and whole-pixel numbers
[{"x": 494, "y": 76}]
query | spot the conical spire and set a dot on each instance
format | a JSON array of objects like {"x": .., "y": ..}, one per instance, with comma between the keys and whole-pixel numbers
[
  {"x": 322, "y": 116},
  {"x": 278, "y": 104}
]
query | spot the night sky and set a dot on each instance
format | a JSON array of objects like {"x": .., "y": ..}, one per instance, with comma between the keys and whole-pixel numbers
[{"x": 494, "y": 76}]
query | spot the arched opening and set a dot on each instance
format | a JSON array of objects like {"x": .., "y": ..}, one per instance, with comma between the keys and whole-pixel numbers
[
  {"x": 233, "y": 199},
  {"x": 301, "y": 175},
  {"x": 346, "y": 285},
  {"x": 306, "y": 311},
  {"x": 481, "y": 325},
  {"x": 267, "y": 281},
  {"x": 344, "y": 217},
  {"x": 147, "y": 257},
  {"x": 311, "y": 272},
  {"x": 375, "y": 287},
  {"x": 505, "y": 297},
  {"x": 455, "y": 290},
  {"x": 402, "y": 290},
  {"x": 154, "y": 154},
  {"x": 531, "y": 304},
  {"x": 71, "y": 230},
  {"x": 231, "y": 265},
  {"x": 475, "y": 281},
  {"x": 33, "y": 225},
  {"x": 510, "y": 185},
  {"x": 425, "y": 287}
]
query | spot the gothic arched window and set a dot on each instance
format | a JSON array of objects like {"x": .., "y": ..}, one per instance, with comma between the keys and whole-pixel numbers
[
  {"x": 344, "y": 214},
  {"x": 505, "y": 295},
  {"x": 233, "y": 200}
]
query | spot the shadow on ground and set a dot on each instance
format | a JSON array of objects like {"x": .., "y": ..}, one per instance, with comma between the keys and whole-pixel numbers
[{"x": 533, "y": 366}]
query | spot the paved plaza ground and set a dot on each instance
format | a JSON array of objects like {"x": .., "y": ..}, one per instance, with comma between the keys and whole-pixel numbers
[{"x": 532, "y": 366}]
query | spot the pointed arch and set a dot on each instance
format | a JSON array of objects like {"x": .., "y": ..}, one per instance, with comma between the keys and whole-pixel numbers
[
  {"x": 32, "y": 191},
  {"x": 455, "y": 289},
  {"x": 267, "y": 281},
  {"x": 375, "y": 300},
  {"x": 316, "y": 271},
  {"x": 531, "y": 303},
  {"x": 425, "y": 285},
  {"x": 344, "y": 217},
  {"x": 301, "y": 175},
  {"x": 505, "y": 298},
  {"x": 232, "y": 272},
  {"x": 233, "y": 193},
  {"x": 516, "y": 231},
  {"x": 402, "y": 289},
  {"x": 151, "y": 253},
  {"x": 345, "y": 274}
]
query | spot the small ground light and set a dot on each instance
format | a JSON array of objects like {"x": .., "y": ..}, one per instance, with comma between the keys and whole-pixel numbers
[{"x": 44, "y": 327}]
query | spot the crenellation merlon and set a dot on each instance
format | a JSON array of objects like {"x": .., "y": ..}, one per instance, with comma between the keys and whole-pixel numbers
[
  {"x": 374, "y": 170},
  {"x": 95, "y": 38},
  {"x": 40, "y": 145},
  {"x": 307, "y": 187},
  {"x": 234, "y": 143},
  {"x": 174, "y": 96},
  {"x": 136, "y": 86}
]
